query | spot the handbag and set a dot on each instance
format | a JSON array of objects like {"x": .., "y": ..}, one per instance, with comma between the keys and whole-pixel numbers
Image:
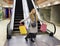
[{"x": 43, "y": 27}]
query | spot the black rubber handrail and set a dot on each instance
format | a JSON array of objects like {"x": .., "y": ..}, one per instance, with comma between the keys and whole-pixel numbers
[{"x": 52, "y": 24}]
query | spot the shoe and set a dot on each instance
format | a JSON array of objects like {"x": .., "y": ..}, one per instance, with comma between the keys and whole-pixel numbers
[
  {"x": 26, "y": 39},
  {"x": 32, "y": 40}
]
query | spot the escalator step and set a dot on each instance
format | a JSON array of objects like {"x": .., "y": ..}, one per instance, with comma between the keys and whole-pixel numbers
[
  {"x": 19, "y": 14},
  {"x": 18, "y": 17},
  {"x": 16, "y": 21},
  {"x": 16, "y": 29},
  {"x": 16, "y": 25}
]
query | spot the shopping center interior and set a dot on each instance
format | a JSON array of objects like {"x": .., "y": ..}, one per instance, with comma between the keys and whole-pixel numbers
[{"x": 13, "y": 11}]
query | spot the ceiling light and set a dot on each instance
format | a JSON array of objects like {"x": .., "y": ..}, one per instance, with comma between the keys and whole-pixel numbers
[
  {"x": 48, "y": 4},
  {"x": 56, "y": 2},
  {"x": 44, "y": 5}
]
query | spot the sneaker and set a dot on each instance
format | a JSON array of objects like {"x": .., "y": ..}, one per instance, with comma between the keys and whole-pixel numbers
[
  {"x": 32, "y": 40},
  {"x": 26, "y": 39}
]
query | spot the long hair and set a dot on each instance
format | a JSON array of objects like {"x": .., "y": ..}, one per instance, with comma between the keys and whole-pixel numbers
[{"x": 33, "y": 15}]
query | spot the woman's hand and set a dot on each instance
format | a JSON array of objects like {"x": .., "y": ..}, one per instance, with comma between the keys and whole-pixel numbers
[{"x": 20, "y": 22}]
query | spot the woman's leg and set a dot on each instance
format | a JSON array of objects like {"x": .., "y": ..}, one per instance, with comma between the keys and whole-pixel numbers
[
  {"x": 26, "y": 38},
  {"x": 32, "y": 40},
  {"x": 33, "y": 37},
  {"x": 30, "y": 36}
]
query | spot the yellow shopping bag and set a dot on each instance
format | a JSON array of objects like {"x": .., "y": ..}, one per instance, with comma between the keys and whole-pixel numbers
[{"x": 22, "y": 29}]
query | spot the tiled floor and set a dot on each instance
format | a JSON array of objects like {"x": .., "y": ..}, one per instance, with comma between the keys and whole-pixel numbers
[
  {"x": 3, "y": 25},
  {"x": 41, "y": 40}
]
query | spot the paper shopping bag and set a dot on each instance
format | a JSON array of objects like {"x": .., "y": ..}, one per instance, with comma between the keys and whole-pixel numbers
[
  {"x": 43, "y": 27},
  {"x": 22, "y": 29}
]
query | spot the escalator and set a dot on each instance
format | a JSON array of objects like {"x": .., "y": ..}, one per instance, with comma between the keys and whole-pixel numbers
[{"x": 18, "y": 14}]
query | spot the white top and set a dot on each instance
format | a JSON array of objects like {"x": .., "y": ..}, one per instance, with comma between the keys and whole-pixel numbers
[{"x": 31, "y": 29}]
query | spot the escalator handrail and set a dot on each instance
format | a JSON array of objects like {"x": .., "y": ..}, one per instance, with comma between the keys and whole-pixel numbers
[
  {"x": 52, "y": 24},
  {"x": 13, "y": 15}
]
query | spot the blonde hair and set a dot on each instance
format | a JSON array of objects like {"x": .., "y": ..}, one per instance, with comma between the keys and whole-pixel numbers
[{"x": 32, "y": 13}]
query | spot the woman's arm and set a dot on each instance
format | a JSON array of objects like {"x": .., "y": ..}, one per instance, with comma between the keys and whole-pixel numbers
[{"x": 24, "y": 20}]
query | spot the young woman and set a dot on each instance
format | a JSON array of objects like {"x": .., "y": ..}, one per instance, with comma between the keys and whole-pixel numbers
[{"x": 33, "y": 26}]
